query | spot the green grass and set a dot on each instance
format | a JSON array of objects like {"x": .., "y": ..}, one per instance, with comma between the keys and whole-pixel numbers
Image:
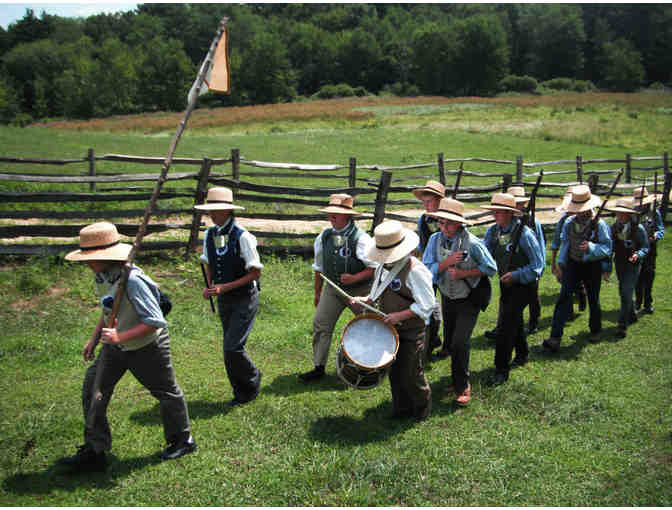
[{"x": 588, "y": 426}]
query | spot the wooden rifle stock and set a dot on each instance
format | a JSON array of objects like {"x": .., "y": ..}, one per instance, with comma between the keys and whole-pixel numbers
[
  {"x": 518, "y": 232},
  {"x": 205, "y": 279},
  {"x": 592, "y": 226},
  {"x": 457, "y": 181}
]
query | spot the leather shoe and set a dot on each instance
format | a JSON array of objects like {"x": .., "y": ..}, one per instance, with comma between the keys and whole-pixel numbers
[
  {"x": 594, "y": 338},
  {"x": 648, "y": 310},
  {"x": 314, "y": 374},
  {"x": 621, "y": 332},
  {"x": 500, "y": 378},
  {"x": 519, "y": 361},
  {"x": 465, "y": 397},
  {"x": 491, "y": 334},
  {"x": 86, "y": 460},
  {"x": 179, "y": 449},
  {"x": 532, "y": 329},
  {"x": 551, "y": 344}
]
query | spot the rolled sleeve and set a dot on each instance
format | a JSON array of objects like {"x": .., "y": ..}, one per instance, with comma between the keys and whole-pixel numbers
[
  {"x": 486, "y": 264},
  {"x": 317, "y": 249},
  {"x": 603, "y": 247},
  {"x": 363, "y": 244},
  {"x": 248, "y": 251},
  {"x": 643, "y": 242},
  {"x": 532, "y": 271},
  {"x": 144, "y": 301},
  {"x": 419, "y": 282},
  {"x": 430, "y": 259}
]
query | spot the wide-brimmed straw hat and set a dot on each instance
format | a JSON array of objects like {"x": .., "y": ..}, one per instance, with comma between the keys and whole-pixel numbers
[
  {"x": 219, "y": 199},
  {"x": 341, "y": 203},
  {"x": 582, "y": 199},
  {"x": 565, "y": 202},
  {"x": 641, "y": 196},
  {"x": 518, "y": 193},
  {"x": 392, "y": 242},
  {"x": 450, "y": 209},
  {"x": 433, "y": 187},
  {"x": 503, "y": 202},
  {"x": 100, "y": 241},
  {"x": 623, "y": 205}
]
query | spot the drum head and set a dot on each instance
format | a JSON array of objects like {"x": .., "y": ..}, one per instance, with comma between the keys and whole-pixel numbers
[{"x": 369, "y": 342}]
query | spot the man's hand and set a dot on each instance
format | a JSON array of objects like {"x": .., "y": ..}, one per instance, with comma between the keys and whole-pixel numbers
[
  {"x": 633, "y": 258},
  {"x": 558, "y": 273},
  {"x": 456, "y": 274},
  {"x": 348, "y": 279},
  {"x": 583, "y": 246},
  {"x": 89, "y": 350},
  {"x": 507, "y": 277},
  {"x": 455, "y": 257},
  {"x": 110, "y": 335}
]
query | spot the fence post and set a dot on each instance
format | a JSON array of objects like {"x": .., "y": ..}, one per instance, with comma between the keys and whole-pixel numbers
[
  {"x": 199, "y": 198},
  {"x": 442, "y": 168},
  {"x": 593, "y": 181},
  {"x": 519, "y": 169},
  {"x": 352, "y": 177},
  {"x": 666, "y": 195},
  {"x": 628, "y": 168},
  {"x": 507, "y": 180},
  {"x": 579, "y": 168},
  {"x": 92, "y": 169},
  {"x": 381, "y": 199},
  {"x": 666, "y": 163},
  {"x": 235, "y": 169}
]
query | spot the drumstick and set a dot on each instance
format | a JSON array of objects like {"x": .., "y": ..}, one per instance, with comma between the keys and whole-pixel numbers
[{"x": 349, "y": 297}]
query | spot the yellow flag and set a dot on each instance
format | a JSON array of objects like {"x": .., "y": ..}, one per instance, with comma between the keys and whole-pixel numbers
[{"x": 218, "y": 76}]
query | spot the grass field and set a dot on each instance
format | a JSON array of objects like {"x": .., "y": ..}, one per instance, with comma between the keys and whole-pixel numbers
[{"x": 589, "y": 426}]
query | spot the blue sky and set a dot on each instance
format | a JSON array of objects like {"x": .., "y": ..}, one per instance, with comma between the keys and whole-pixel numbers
[{"x": 11, "y": 12}]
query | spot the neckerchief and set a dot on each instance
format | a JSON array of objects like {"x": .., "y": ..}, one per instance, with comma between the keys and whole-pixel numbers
[{"x": 383, "y": 277}]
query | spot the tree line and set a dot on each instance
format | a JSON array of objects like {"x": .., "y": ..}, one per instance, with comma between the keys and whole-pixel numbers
[{"x": 146, "y": 59}]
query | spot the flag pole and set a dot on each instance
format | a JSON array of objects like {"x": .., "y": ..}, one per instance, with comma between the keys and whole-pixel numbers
[{"x": 142, "y": 229}]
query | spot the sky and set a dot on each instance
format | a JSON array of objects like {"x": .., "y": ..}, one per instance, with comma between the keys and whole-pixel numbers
[{"x": 11, "y": 12}]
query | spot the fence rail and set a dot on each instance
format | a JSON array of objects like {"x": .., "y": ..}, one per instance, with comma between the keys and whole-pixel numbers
[{"x": 378, "y": 183}]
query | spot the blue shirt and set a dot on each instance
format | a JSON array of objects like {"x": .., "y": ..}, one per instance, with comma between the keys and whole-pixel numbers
[
  {"x": 555, "y": 243},
  {"x": 541, "y": 240},
  {"x": 477, "y": 250},
  {"x": 596, "y": 251},
  {"x": 530, "y": 247}
]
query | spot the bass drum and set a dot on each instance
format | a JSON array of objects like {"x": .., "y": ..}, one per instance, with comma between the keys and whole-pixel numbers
[{"x": 368, "y": 348}]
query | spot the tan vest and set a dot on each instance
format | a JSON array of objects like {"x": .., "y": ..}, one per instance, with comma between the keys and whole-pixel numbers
[
  {"x": 457, "y": 289},
  {"x": 397, "y": 297},
  {"x": 127, "y": 319}
]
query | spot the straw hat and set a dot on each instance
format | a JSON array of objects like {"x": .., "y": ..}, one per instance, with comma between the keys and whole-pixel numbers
[
  {"x": 340, "y": 203},
  {"x": 450, "y": 209},
  {"x": 582, "y": 199},
  {"x": 565, "y": 202},
  {"x": 433, "y": 187},
  {"x": 392, "y": 242},
  {"x": 641, "y": 196},
  {"x": 503, "y": 202},
  {"x": 100, "y": 241},
  {"x": 624, "y": 205},
  {"x": 518, "y": 193},
  {"x": 219, "y": 199}
]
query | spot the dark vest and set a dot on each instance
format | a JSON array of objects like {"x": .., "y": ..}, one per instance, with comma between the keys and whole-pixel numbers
[
  {"x": 625, "y": 240},
  {"x": 428, "y": 226},
  {"x": 397, "y": 297},
  {"x": 339, "y": 253},
  {"x": 500, "y": 246},
  {"x": 227, "y": 264}
]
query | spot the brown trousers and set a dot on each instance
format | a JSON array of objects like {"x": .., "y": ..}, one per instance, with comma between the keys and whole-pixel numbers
[{"x": 411, "y": 393}]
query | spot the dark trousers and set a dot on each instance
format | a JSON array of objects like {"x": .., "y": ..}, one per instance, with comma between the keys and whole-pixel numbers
[
  {"x": 535, "y": 305},
  {"x": 645, "y": 281},
  {"x": 627, "y": 274},
  {"x": 411, "y": 393},
  {"x": 459, "y": 319},
  {"x": 514, "y": 299},
  {"x": 590, "y": 273},
  {"x": 238, "y": 316},
  {"x": 152, "y": 367}
]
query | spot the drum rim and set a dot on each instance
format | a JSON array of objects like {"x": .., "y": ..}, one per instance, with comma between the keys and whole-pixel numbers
[{"x": 378, "y": 318}]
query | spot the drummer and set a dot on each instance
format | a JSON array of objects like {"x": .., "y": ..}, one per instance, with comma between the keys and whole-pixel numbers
[
  {"x": 402, "y": 288},
  {"x": 458, "y": 260},
  {"x": 340, "y": 256}
]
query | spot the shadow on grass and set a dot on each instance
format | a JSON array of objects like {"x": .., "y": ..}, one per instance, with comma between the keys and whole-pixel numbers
[
  {"x": 196, "y": 408},
  {"x": 56, "y": 478},
  {"x": 286, "y": 385}
]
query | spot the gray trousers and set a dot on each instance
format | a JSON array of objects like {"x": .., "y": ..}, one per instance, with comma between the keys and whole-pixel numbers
[
  {"x": 328, "y": 311},
  {"x": 238, "y": 316},
  {"x": 152, "y": 367}
]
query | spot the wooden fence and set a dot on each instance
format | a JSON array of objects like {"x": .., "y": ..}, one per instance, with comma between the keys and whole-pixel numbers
[{"x": 374, "y": 180}]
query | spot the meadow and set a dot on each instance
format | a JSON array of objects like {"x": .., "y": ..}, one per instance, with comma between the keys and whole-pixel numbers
[{"x": 588, "y": 426}]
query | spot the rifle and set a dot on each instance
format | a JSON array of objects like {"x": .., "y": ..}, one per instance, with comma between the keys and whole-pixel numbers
[
  {"x": 518, "y": 232},
  {"x": 655, "y": 197},
  {"x": 457, "y": 181},
  {"x": 532, "y": 204},
  {"x": 591, "y": 229}
]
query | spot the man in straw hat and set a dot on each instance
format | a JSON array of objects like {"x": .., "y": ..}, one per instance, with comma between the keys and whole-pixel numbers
[
  {"x": 555, "y": 247},
  {"x": 652, "y": 221},
  {"x": 138, "y": 341},
  {"x": 430, "y": 195},
  {"x": 233, "y": 269},
  {"x": 631, "y": 246},
  {"x": 340, "y": 254},
  {"x": 519, "y": 267},
  {"x": 582, "y": 251},
  {"x": 402, "y": 288},
  {"x": 518, "y": 193},
  {"x": 458, "y": 261}
]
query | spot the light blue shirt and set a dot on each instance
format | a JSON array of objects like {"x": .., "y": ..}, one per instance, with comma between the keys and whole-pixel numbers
[
  {"x": 596, "y": 250},
  {"x": 530, "y": 247},
  {"x": 477, "y": 250}
]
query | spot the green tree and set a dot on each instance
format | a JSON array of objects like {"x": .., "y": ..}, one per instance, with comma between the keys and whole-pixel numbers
[
  {"x": 359, "y": 57},
  {"x": 312, "y": 53},
  {"x": 622, "y": 67},
  {"x": 118, "y": 80},
  {"x": 266, "y": 75},
  {"x": 433, "y": 46},
  {"x": 9, "y": 104}
]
